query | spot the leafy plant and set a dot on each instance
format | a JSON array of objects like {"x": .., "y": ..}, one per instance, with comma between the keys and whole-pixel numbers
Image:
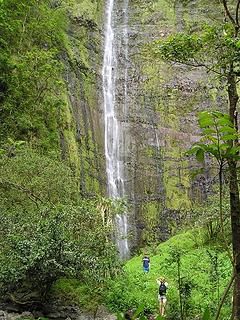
[
  {"x": 48, "y": 231},
  {"x": 217, "y": 131},
  {"x": 218, "y": 134},
  {"x": 216, "y": 48}
]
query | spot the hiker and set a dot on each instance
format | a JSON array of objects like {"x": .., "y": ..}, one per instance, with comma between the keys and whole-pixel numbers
[
  {"x": 163, "y": 286},
  {"x": 146, "y": 263}
]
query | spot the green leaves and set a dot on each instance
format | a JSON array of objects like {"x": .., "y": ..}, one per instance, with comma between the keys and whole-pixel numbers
[
  {"x": 198, "y": 150},
  {"x": 205, "y": 120},
  {"x": 120, "y": 316},
  {"x": 139, "y": 310},
  {"x": 218, "y": 136},
  {"x": 50, "y": 230},
  {"x": 179, "y": 47},
  {"x": 206, "y": 315},
  {"x": 200, "y": 155},
  {"x": 214, "y": 48}
]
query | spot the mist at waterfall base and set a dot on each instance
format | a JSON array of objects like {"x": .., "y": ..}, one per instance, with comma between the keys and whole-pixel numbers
[{"x": 113, "y": 136}]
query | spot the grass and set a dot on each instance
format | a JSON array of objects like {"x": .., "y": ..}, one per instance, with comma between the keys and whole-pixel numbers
[{"x": 205, "y": 271}]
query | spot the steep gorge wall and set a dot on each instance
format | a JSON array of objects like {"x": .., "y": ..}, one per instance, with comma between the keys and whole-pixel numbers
[
  {"x": 81, "y": 127},
  {"x": 158, "y": 118},
  {"x": 50, "y": 86},
  {"x": 156, "y": 103},
  {"x": 160, "y": 122}
]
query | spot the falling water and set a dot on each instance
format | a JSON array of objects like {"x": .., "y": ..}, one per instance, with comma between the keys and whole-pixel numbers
[
  {"x": 157, "y": 141},
  {"x": 125, "y": 44},
  {"x": 113, "y": 129}
]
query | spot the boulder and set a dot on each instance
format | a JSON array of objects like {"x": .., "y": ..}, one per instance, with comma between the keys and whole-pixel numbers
[
  {"x": 3, "y": 315},
  {"x": 103, "y": 314}
]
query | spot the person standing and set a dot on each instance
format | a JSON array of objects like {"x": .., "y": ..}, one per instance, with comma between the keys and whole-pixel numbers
[
  {"x": 146, "y": 263},
  {"x": 162, "y": 290}
]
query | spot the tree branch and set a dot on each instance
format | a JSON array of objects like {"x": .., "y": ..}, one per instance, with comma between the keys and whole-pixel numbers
[
  {"x": 28, "y": 192},
  {"x": 224, "y": 295},
  {"x": 23, "y": 30},
  {"x": 12, "y": 297},
  {"x": 228, "y": 14},
  {"x": 197, "y": 64},
  {"x": 237, "y": 13}
]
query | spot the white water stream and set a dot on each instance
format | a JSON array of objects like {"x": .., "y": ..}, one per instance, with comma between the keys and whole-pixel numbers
[{"x": 114, "y": 140}]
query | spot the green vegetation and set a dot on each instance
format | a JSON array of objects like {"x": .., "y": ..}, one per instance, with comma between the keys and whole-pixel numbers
[
  {"x": 45, "y": 62},
  {"x": 216, "y": 48},
  {"x": 31, "y": 70},
  {"x": 47, "y": 231},
  {"x": 204, "y": 273},
  {"x": 56, "y": 229}
]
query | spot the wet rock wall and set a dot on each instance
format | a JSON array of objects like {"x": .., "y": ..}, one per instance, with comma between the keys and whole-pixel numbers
[
  {"x": 81, "y": 126},
  {"x": 160, "y": 118},
  {"x": 156, "y": 104}
]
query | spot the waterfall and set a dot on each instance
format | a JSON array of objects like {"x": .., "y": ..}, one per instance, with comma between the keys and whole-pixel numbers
[
  {"x": 114, "y": 139},
  {"x": 125, "y": 43}
]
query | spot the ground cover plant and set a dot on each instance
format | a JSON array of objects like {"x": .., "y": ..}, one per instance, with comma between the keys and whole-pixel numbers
[{"x": 204, "y": 273}]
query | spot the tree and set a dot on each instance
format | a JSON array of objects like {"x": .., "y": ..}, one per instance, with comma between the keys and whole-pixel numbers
[
  {"x": 32, "y": 41},
  {"x": 217, "y": 49},
  {"x": 47, "y": 230},
  {"x": 218, "y": 130}
]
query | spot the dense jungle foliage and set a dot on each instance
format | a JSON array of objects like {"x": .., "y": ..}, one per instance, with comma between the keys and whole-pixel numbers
[
  {"x": 32, "y": 40},
  {"x": 47, "y": 229},
  {"x": 56, "y": 243}
]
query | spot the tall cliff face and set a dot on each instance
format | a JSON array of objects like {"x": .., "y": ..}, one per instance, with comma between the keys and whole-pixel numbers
[
  {"x": 50, "y": 84},
  {"x": 155, "y": 103},
  {"x": 81, "y": 126},
  {"x": 159, "y": 118}
]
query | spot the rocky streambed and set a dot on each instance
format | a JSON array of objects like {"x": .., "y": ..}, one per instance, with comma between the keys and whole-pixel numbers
[{"x": 54, "y": 312}]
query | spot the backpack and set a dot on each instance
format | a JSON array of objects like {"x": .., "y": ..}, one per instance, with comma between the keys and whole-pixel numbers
[
  {"x": 146, "y": 262},
  {"x": 162, "y": 289}
]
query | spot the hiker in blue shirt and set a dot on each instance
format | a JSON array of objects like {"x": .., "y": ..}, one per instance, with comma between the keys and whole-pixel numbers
[{"x": 146, "y": 263}]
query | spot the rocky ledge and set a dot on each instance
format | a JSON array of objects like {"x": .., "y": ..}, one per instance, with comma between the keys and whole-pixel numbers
[{"x": 55, "y": 312}]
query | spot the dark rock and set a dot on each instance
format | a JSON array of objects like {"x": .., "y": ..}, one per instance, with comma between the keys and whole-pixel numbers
[
  {"x": 103, "y": 314},
  {"x": 37, "y": 314},
  {"x": 26, "y": 314},
  {"x": 3, "y": 315}
]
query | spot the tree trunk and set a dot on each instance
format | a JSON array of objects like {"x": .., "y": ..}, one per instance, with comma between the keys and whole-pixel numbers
[
  {"x": 235, "y": 223},
  {"x": 234, "y": 198}
]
